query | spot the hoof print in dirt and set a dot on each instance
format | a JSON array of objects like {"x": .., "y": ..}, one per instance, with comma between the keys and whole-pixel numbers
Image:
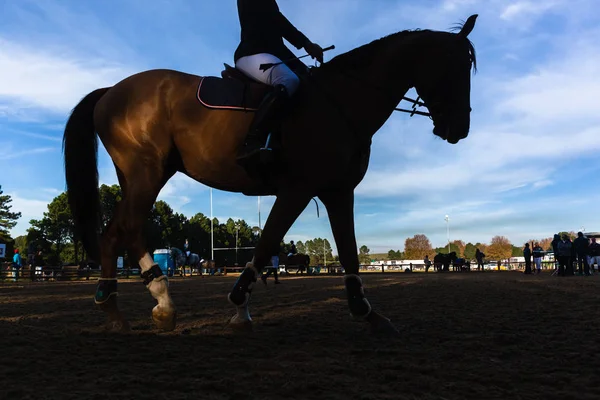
[{"x": 118, "y": 326}]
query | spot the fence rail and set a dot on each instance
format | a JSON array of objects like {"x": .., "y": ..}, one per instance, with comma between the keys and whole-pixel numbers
[{"x": 71, "y": 273}]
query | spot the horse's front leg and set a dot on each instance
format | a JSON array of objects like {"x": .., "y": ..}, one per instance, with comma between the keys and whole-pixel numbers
[
  {"x": 288, "y": 206},
  {"x": 340, "y": 207}
]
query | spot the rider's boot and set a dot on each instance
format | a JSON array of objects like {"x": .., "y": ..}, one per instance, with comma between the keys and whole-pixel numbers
[{"x": 270, "y": 107}]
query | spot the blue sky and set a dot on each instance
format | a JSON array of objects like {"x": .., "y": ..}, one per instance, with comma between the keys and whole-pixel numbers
[{"x": 528, "y": 169}]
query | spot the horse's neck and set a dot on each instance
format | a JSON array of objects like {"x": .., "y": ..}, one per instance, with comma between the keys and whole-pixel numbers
[{"x": 368, "y": 95}]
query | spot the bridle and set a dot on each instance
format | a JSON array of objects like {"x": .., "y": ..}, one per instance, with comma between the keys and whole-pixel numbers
[{"x": 413, "y": 110}]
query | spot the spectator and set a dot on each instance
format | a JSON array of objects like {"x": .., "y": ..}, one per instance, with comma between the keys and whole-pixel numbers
[
  {"x": 16, "y": 264},
  {"x": 594, "y": 254},
  {"x": 581, "y": 252},
  {"x": 275, "y": 269},
  {"x": 427, "y": 263},
  {"x": 538, "y": 253},
  {"x": 479, "y": 257},
  {"x": 527, "y": 254},
  {"x": 554, "y": 243},
  {"x": 565, "y": 262}
]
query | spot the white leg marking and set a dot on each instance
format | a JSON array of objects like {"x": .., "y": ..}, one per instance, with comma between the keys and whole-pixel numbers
[
  {"x": 242, "y": 315},
  {"x": 159, "y": 288}
]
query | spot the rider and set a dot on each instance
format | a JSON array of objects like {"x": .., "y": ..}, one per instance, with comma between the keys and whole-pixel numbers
[
  {"x": 186, "y": 249},
  {"x": 293, "y": 250},
  {"x": 263, "y": 29}
]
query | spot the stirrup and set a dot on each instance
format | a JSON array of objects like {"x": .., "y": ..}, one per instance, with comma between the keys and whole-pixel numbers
[
  {"x": 262, "y": 155},
  {"x": 266, "y": 152}
]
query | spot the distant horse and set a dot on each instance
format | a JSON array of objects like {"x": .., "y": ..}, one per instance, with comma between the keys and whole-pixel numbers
[
  {"x": 442, "y": 261},
  {"x": 180, "y": 259},
  {"x": 300, "y": 261},
  {"x": 156, "y": 123},
  {"x": 195, "y": 262}
]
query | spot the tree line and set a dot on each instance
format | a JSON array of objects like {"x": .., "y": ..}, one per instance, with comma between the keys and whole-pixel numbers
[
  {"x": 54, "y": 235},
  {"x": 500, "y": 248}
]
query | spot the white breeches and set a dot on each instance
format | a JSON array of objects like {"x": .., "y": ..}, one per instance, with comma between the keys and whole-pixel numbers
[{"x": 278, "y": 75}]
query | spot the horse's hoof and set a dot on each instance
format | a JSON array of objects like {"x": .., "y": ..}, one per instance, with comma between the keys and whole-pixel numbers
[
  {"x": 163, "y": 319},
  {"x": 381, "y": 325},
  {"x": 240, "y": 325},
  {"x": 118, "y": 325}
]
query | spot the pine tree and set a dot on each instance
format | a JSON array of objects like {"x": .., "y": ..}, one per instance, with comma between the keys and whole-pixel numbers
[{"x": 8, "y": 219}]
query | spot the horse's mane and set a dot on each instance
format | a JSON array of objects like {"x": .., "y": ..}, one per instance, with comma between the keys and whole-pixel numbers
[{"x": 364, "y": 54}]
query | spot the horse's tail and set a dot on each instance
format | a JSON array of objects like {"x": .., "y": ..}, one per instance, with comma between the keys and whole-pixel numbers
[{"x": 80, "y": 148}]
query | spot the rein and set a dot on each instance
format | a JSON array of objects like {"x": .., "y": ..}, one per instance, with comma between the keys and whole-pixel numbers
[{"x": 415, "y": 103}]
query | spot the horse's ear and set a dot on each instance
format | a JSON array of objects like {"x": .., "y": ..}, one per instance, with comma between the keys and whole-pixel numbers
[{"x": 468, "y": 26}]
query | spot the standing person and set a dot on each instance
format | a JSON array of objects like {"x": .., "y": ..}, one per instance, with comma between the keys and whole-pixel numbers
[
  {"x": 554, "y": 243},
  {"x": 275, "y": 269},
  {"x": 263, "y": 28},
  {"x": 427, "y": 263},
  {"x": 479, "y": 257},
  {"x": 16, "y": 264},
  {"x": 31, "y": 259},
  {"x": 538, "y": 253},
  {"x": 565, "y": 264},
  {"x": 594, "y": 254},
  {"x": 527, "y": 255},
  {"x": 580, "y": 245}
]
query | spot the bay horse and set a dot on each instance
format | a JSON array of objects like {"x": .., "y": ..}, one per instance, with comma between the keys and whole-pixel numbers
[{"x": 152, "y": 127}]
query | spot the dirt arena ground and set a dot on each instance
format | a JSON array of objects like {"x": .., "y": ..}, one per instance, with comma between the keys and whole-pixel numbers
[{"x": 463, "y": 336}]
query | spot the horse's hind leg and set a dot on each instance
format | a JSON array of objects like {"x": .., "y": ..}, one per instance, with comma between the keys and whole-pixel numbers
[
  {"x": 288, "y": 206},
  {"x": 126, "y": 228},
  {"x": 139, "y": 197},
  {"x": 106, "y": 291},
  {"x": 340, "y": 208}
]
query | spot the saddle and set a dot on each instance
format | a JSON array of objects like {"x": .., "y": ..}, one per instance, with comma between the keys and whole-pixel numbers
[{"x": 234, "y": 91}]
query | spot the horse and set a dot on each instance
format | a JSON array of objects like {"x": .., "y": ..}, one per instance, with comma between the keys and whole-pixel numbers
[
  {"x": 296, "y": 260},
  {"x": 180, "y": 259},
  {"x": 461, "y": 264},
  {"x": 152, "y": 126},
  {"x": 194, "y": 261},
  {"x": 442, "y": 261}
]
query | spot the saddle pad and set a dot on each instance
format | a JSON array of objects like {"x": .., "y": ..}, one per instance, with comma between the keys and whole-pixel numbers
[{"x": 230, "y": 94}]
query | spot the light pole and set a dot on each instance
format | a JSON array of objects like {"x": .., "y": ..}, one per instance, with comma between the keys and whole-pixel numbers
[
  {"x": 448, "y": 231},
  {"x": 259, "y": 227},
  {"x": 237, "y": 229}
]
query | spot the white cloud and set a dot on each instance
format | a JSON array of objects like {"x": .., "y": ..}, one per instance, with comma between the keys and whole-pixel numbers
[
  {"x": 566, "y": 89},
  {"x": 51, "y": 81},
  {"x": 8, "y": 153},
  {"x": 522, "y": 9}
]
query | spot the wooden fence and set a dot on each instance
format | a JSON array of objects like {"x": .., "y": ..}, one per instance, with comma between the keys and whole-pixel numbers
[{"x": 73, "y": 273}]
